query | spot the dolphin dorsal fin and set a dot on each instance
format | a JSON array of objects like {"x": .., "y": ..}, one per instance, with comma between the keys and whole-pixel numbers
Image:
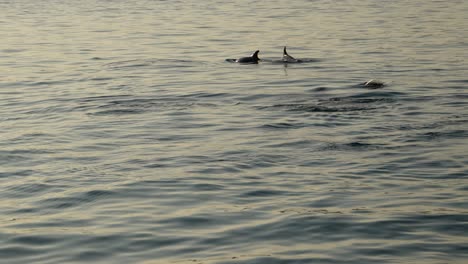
[
  {"x": 285, "y": 53},
  {"x": 255, "y": 54}
]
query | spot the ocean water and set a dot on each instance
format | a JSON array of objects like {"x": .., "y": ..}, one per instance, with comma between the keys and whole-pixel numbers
[{"x": 126, "y": 136}]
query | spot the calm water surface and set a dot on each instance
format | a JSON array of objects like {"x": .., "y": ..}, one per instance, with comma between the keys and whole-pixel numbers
[{"x": 125, "y": 136}]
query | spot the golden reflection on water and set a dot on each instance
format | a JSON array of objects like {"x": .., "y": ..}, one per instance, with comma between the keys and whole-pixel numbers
[{"x": 123, "y": 121}]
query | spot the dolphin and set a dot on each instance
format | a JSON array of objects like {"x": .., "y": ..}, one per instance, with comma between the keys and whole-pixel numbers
[
  {"x": 289, "y": 58},
  {"x": 252, "y": 59},
  {"x": 373, "y": 84}
]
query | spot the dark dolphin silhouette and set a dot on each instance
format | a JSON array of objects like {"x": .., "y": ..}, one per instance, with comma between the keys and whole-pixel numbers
[
  {"x": 373, "y": 84},
  {"x": 252, "y": 59},
  {"x": 289, "y": 58}
]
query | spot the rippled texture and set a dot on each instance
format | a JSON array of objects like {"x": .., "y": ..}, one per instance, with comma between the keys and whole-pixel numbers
[{"x": 125, "y": 136}]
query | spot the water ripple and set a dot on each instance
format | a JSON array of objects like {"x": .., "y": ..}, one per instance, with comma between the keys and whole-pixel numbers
[{"x": 126, "y": 137}]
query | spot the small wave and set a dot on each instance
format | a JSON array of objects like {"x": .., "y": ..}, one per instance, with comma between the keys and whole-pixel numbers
[
  {"x": 459, "y": 81},
  {"x": 354, "y": 103},
  {"x": 450, "y": 127},
  {"x": 118, "y": 112},
  {"x": 439, "y": 135},
  {"x": 34, "y": 240},
  {"x": 193, "y": 221},
  {"x": 262, "y": 193},
  {"x": 160, "y": 63},
  {"x": 321, "y": 108},
  {"x": 74, "y": 200},
  {"x": 352, "y": 146},
  {"x": 127, "y": 105},
  {"x": 378, "y": 94},
  {"x": 28, "y": 189},
  {"x": 283, "y": 125},
  {"x": 207, "y": 187},
  {"x": 13, "y": 50}
]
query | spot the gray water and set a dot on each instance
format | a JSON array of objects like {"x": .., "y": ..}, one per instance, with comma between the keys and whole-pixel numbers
[{"x": 126, "y": 136}]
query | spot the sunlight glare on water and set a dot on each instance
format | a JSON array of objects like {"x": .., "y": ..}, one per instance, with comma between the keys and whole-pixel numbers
[{"x": 127, "y": 134}]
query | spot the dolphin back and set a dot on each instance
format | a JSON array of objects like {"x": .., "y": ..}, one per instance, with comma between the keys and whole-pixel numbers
[{"x": 252, "y": 59}]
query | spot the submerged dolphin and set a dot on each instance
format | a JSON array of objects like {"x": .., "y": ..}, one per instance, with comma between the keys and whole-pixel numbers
[
  {"x": 289, "y": 58},
  {"x": 252, "y": 59},
  {"x": 373, "y": 84}
]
